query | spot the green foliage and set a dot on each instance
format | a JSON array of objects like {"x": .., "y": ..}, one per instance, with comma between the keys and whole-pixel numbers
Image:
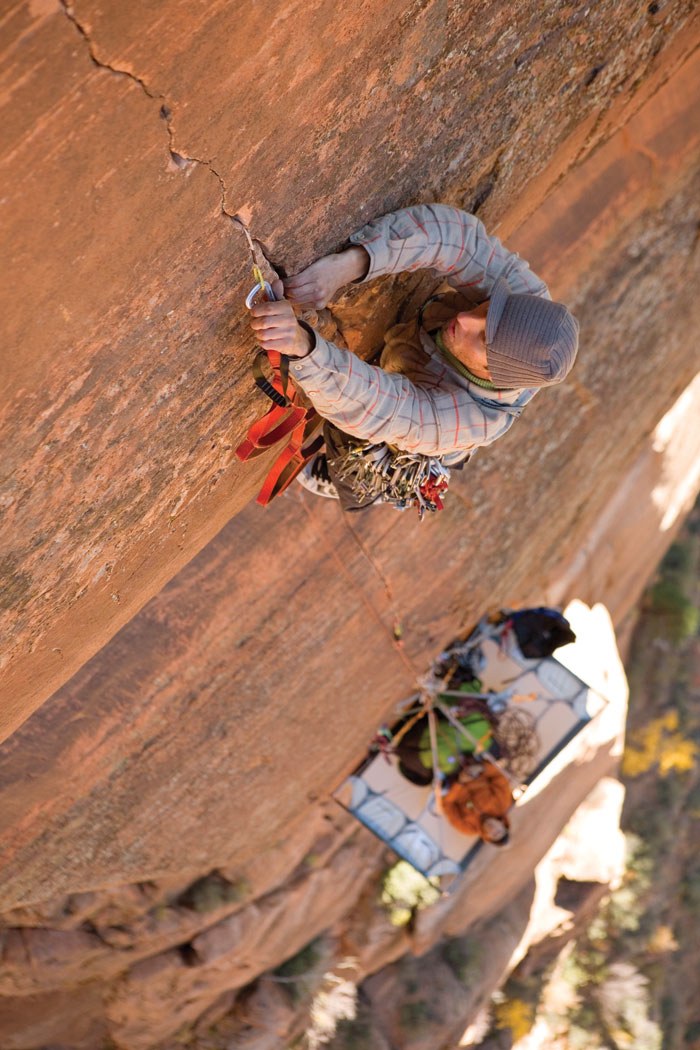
[
  {"x": 692, "y": 1032},
  {"x": 352, "y": 1034},
  {"x": 629, "y": 971},
  {"x": 405, "y": 891},
  {"x": 671, "y": 608},
  {"x": 583, "y": 1038},
  {"x": 639, "y": 861},
  {"x": 692, "y": 802},
  {"x": 613, "y": 998},
  {"x": 574, "y": 971},
  {"x": 416, "y": 1015},
  {"x": 675, "y": 614},
  {"x": 298, "y": 971},
  {"x": 463, "y": 955},
  {"x": 678, "y": 560},
  {"x": 623, "y": 910},
  {"x": 213, "y": 892},
  {"x": 304, "y": 960},
  {"x": 690, "y": 888}
]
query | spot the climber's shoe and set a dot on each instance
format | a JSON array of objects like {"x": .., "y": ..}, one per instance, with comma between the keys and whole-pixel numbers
[{"x": 315, "y": 477}]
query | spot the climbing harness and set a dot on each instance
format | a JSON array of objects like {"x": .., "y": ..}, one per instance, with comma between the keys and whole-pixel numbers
[
  {"x": 384, "y": 473},
  {"x": 287, "y": 418}
]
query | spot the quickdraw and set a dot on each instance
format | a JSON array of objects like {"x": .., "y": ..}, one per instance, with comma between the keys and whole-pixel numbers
[
  {"x": 288, "y": 417},
  {"x": 404, "y": 479},
  {"x": 432, "y": 489}
]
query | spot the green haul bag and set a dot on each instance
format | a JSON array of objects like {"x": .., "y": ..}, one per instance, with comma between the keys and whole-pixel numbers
[{"x": 452, "y": 745}]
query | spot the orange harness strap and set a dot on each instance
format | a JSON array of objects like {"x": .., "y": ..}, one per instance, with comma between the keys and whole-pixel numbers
[{"x": 286, "y": 418}]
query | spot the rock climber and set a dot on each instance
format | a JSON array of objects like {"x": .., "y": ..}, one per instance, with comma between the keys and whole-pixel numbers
[
  {"x": 453, "y": 379},
  {"x": 478, "y": 801}
]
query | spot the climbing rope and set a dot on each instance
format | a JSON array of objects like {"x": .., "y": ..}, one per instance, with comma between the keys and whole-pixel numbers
[{"x": 289, "y": 418}]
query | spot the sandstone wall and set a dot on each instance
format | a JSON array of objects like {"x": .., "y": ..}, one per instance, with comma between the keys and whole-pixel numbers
[
  {"x": 269, "y": 659},
  {"x": 167, "y": 961},
  {"x": 126, "y": 384},
  {"x": 201, "y": 733}
]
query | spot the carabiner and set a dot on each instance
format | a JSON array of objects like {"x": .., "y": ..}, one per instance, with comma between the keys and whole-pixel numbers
[{"x": 264, "y": 287}]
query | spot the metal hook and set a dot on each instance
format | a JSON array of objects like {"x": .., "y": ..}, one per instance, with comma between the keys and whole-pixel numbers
[{"x": 264, "y": 287}]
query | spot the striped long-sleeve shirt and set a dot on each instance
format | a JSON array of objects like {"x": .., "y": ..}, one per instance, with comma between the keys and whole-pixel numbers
[{"x": 441, "y": 412}]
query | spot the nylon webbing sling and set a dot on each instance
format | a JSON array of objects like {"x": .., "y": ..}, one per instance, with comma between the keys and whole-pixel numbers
[{"x": 287, "y": 418}]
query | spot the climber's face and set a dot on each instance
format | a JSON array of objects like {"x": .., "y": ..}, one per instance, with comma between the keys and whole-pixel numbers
[
  {"x": 465, "y": 337},
  {"x": 494, "y": 829}
]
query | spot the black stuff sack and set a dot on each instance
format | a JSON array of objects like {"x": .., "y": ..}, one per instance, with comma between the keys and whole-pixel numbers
[{"x": 540, "y": 631}]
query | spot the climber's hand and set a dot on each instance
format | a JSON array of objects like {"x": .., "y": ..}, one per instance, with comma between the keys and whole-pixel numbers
[
  {"x": 277, "y": 328},
  {"x": 318, "y": 283},
  {"x": 470, "y": 772}
]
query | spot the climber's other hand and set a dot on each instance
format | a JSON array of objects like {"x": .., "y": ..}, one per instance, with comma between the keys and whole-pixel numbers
[{"x": 318, "y": 283}]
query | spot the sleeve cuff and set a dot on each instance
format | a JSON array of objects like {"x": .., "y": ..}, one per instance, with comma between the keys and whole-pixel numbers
[
  {"x": 374, "y": 245},
  {"x": 318, "y": 358}
]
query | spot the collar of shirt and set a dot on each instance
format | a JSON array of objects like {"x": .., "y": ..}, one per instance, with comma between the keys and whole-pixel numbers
[{"x": 455, "y": 363}]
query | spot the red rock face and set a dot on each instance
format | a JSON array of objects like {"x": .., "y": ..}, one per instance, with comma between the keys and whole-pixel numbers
[
  {"x": 200, "y": 732},
  {"x": 128, "y": 386},
  {"x": 258, "y": 673}
]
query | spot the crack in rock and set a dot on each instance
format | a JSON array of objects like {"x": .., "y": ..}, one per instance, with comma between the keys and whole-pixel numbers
[
  {"x": 179, "y": 159},
  {"x": 72, "y": 17},
  {"x": 253, "y": 242}
]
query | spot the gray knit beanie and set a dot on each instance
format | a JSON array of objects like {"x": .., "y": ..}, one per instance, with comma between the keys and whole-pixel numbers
[{"x": 530, "y": 341}]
